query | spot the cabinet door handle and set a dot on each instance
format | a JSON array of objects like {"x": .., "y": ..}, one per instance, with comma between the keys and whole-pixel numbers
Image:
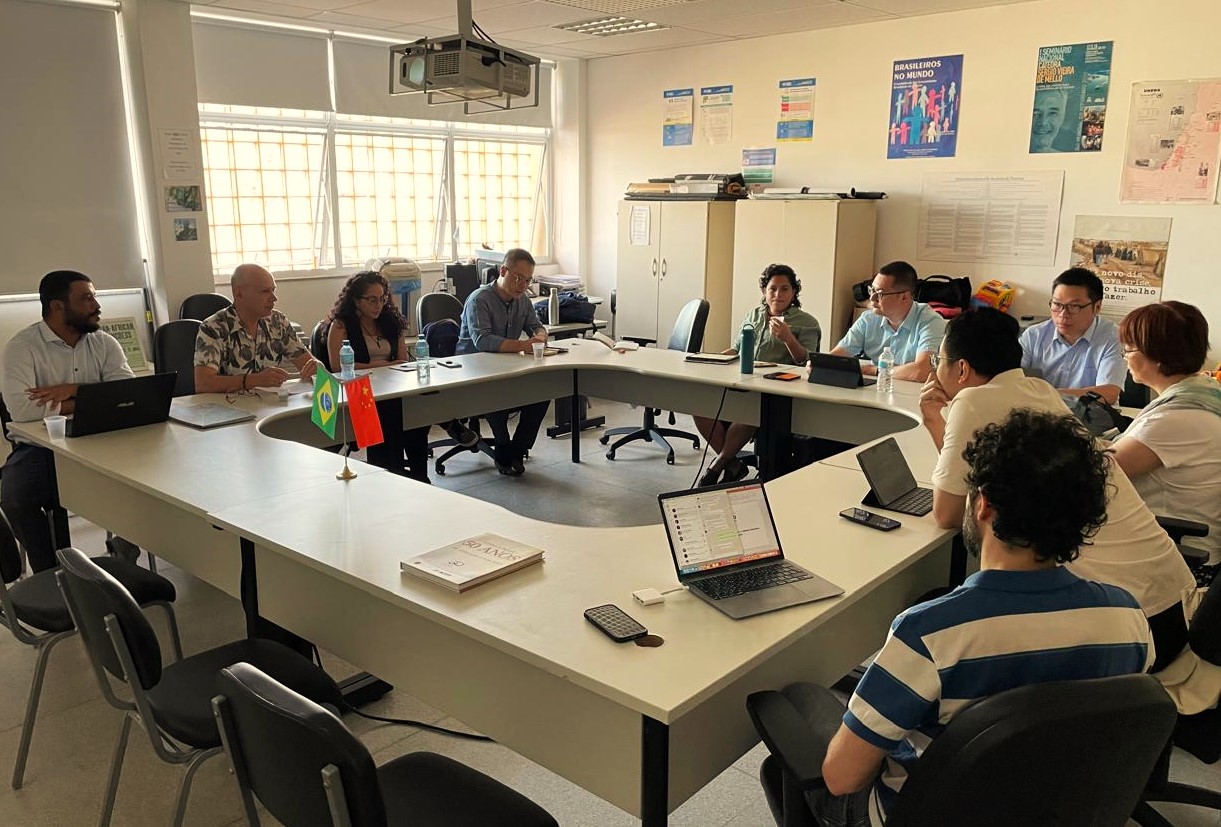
[
  {"x": 663, "y": 268},
  {"x": 654, "y": 268}
]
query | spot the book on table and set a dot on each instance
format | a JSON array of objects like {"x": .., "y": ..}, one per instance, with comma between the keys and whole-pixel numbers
[{"x": 467, "y": 563}]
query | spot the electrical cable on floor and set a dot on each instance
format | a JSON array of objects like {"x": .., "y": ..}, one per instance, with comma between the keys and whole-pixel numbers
[
  {"x": 470, "y": 736},
  {"x": 715, "y": 419}
]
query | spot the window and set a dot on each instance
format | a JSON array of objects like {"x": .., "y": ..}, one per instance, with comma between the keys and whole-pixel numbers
[{"x": 301, "y": 190}]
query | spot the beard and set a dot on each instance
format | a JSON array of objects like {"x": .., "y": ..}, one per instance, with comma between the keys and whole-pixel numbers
[
  {"x": 83, "y": 323},
  {"x": 971, "y": 535}
]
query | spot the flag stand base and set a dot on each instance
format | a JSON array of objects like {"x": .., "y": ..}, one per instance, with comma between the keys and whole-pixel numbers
[{"x": 347, "y": 473}]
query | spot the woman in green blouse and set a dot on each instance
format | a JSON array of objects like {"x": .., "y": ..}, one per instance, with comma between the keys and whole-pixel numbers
[{"x": 784, "y": 334}]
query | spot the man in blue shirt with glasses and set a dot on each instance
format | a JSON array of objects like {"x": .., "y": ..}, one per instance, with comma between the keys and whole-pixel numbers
[
  {"x": 1077, "y": 350},
  {"x": 912, "y": 330}
]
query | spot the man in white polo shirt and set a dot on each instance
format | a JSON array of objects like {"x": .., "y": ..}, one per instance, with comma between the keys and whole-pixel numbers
[{"x": 977, "y": 380}]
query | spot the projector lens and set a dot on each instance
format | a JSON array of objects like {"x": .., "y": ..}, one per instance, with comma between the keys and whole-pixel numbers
[{"x": 414, "y": 70}]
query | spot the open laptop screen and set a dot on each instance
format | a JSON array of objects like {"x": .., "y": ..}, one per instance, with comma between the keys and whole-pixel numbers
[{"x": 716, "y": 527}]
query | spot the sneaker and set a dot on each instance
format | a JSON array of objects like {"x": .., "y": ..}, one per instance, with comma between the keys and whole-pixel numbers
[
  {"x": 123, "y": 549},
  {"x": 735, "y": 470},
  {"x": 710, "y": 477},
  {"x": 461, "y": 434}
]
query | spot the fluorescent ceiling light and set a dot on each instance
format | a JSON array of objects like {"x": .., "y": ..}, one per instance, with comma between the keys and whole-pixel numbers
[{"x": 607, "y": 26}]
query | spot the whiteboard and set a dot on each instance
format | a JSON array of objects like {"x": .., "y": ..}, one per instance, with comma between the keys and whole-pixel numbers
[{"x": 21, "y": 310}]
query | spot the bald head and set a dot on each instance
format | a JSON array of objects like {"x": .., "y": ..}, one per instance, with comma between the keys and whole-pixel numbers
[{"x": 254, "y": 292}]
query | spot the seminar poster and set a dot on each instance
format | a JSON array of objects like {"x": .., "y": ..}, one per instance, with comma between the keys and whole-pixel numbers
[
  {"x": 1070, "y": 97},
  {"x": 925, "y": 96}
]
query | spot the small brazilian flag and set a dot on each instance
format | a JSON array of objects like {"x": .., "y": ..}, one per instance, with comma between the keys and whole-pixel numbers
[{"x": 326, "y": 401}]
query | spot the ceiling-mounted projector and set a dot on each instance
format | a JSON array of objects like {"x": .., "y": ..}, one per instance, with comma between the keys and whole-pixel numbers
[{"x": 462, "y": 67}]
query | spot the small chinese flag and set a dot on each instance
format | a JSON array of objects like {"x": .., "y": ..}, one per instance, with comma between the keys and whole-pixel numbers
[{"x": 362, "y": 408}]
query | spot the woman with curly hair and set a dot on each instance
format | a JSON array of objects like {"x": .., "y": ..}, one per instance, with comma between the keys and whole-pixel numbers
[{"x": 366, "y": 317}]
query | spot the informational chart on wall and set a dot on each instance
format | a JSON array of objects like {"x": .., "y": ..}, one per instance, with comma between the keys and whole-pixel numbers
[
  {"x": 716, "y": 114},
  {"x": 1071, "y": 84},
  {"x": 1174, "y": 138},
  {"x": 796, "y": 120},
  {"x": 677, "y": 117},
  {"x": 1128, "y": 253},
  {"x": 1001, "y": 217},
  {"x": 925, "y": 98}
]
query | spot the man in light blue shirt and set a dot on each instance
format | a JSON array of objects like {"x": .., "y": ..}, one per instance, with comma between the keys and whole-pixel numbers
[
  {"x": 1077, "y": 350},
  {"x": 911, "y": 329}
]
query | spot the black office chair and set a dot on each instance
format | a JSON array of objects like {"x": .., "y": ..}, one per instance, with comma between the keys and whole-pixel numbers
[
  {"x": 172, "y": 703},
  {"x": 35, "y": 612},
  {"x": 174, "y": 349},
  {"x": 687, "y": 336},
  {"x": 200, "y": 306},
  {"x": 1134, "y": 394},
  {"x": 308, "y": 770},
  {"x": 317, "y": 344},
  {"x": 465, "y": 280},
  {"x": 12, "y": 565},
  {"x": 431, "y": 311},
  {"x": 1062, "y": 754}
]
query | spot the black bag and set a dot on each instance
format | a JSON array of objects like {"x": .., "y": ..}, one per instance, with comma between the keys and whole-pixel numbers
[
  {"x": 948, "y": 291},
  {"x": 573, "y": 308},
  {"x": 1097, "y": 414}
]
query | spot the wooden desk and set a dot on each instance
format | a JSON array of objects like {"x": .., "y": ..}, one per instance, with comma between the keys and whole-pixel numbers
[{"x": 643, "y": 728}]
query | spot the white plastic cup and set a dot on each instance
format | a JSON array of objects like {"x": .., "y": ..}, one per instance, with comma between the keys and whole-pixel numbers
[
  {"x": 538, "y": 350},
  {"x": 57, "y": 426}
]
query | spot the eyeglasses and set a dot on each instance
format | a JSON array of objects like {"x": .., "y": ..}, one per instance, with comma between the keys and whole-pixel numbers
[
  {"x": 875, "y": 293},
  {"x": 382, "y": 299},
  {"x": 1128, "y": 351},
  {"x": 935, "y": 360},
  {"x": 1068, "y": 309},
  {"x": 519, "y": 278}
]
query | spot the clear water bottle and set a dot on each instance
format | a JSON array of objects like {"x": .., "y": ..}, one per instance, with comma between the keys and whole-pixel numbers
[
  {"x": 347, "y": 362},
  {"x": 423, "y": 367},
  {"x": 746, "y": 349},
  {"x": 886, "y": 366}
]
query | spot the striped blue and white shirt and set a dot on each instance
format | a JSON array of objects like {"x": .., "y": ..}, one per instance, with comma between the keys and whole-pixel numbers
[{"x": 998, "y": 631}]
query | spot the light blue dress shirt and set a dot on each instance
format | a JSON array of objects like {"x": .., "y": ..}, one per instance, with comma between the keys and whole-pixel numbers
[
  {"x": 921, "y": 331},
  {"x": 1094, "y": 359}
]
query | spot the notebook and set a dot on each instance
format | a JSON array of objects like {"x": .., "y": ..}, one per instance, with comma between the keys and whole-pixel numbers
[
  {"x": 891, "y": 483},
  {"x": 837, "y": 371},
  {"x": 122, "y": 403},
  {"x": 726, "y": 551},
  {"x": 712, "y": 358},
  {"x": 207, "y": 415}
]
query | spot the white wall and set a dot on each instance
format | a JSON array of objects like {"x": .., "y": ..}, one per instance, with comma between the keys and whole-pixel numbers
[{"x": 1172, "y": 39}]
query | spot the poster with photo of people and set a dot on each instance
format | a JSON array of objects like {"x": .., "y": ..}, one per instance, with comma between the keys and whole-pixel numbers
[
  {"x": 1070, "y": 97},
  {"x": 925, "y": 98}
]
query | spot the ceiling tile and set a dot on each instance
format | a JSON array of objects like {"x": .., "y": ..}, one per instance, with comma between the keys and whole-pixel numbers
[
  {"x": 347, "y": 18},
  {"x": 915, "y": 8},
  {"x": 263, "y": 7},
  {"x": 418, "y": 11},
  {"x": 622, "y": 44},
  {"x": 543, "y": 36},
  {"x": 795, "y": 20},
  {"x": 691, "y": 15}
]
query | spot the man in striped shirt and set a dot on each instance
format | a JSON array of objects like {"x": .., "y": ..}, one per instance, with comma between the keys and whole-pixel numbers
[{"x": 1036, "y": 493}]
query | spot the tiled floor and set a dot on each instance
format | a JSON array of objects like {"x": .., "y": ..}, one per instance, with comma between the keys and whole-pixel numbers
[{"x": 76, "y": 729}]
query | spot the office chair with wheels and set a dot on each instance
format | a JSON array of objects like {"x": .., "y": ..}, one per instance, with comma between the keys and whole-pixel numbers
[
  {"x": 1061, "y": 754},
  {"x": 439, "y": 317},
  {"x": 200, "y": 306},
  {"x": 172, "y": 703},
  {"x": 174, "y": 349},
  {"x": 307, "y": 768},
  {"x": 687, "y": 336},
  {"x": 35, "y": 612}
]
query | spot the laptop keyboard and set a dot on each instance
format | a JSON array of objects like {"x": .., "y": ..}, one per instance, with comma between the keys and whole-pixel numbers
[
  {"x": 917, "y": 502},
  {"x": 732, "y": 584}
]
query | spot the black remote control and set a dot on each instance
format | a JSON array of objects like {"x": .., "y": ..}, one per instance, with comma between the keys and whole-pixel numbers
[
  {"x": 860, "y": 515},
  {"x": 615, "y": 623}
]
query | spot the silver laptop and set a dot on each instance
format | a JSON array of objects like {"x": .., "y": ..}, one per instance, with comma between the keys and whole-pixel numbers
[
  {"x": 207, "y": 415},
  {"x": 891, "y": 483},
  {"x": 726, "y": 551}
]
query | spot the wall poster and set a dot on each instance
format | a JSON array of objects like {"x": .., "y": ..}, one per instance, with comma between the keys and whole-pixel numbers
[
  {"x": 925, "y": 98},
  {"x": 678, "y": 117},
  {"x": 1127, "y": 253},
  {"x": 1070, "y": 97},
  {"x": 1174, "y": 136}
]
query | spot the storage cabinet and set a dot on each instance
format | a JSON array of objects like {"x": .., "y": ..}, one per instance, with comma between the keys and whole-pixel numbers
[
  {"x": 684, "y": 251},
  {"x": 828, "y": 243}
]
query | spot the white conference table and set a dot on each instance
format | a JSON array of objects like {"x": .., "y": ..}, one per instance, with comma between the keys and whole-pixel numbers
[{"x": 642, "y": 728}]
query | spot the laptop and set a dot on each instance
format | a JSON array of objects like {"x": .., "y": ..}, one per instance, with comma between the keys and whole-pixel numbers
[
  {"x": 837, "y": 371},
  {"x": 891, "y": 483},
  {"x": 207, "y": 415},
  {"x": 102, "y": 407},
  {"x": 726, "y": 551}
]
